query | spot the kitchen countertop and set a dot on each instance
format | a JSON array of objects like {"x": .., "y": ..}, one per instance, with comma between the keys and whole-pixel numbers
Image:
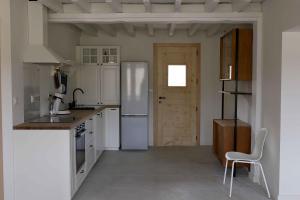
[{"x": 79, "y": 115}]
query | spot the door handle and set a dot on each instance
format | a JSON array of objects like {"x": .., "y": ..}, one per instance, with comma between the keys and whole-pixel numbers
[{"x": 161, "y": 97}]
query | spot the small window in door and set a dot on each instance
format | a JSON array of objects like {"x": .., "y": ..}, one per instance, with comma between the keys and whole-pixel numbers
[{"x": 177, "y": 75}]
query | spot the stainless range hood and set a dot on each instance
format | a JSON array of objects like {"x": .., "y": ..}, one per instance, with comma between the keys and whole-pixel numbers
[{"x": 38, "y": 50}]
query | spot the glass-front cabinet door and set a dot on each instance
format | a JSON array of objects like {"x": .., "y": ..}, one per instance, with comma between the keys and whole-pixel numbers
[
  {"x": 227, "y": 56},
  {"x": 95, "y": 55},
  {"x": 89, "y": 55},
  {"x": 110, "y": 55}
]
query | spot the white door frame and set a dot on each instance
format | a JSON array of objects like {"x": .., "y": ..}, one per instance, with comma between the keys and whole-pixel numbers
[{"x": 6, "y": 62}]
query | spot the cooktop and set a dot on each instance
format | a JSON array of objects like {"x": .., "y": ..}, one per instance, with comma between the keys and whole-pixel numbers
[{"x": 54, "y": 119}]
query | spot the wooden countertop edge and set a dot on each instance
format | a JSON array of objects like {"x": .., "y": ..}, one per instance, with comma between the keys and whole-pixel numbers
[{"x": 82, "y": 115}]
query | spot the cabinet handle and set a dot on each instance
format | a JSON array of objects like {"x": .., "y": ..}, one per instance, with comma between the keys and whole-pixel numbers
[
  {"x": 113, "y": 109},
  {"x": 82, "y": 171},
  {"x": 98, "y": 114},
  {"x": 91, "y": 145},
  {"x": 91, "y": 132}
]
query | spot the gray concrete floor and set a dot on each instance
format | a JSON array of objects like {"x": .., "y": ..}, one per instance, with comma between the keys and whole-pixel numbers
[{"x": 173, "y": 173}]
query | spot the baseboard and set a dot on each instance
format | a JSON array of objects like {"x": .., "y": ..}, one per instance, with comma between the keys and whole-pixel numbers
[{"x": 288, "y": 197}]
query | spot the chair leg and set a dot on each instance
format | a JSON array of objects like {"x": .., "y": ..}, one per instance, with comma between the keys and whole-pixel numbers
[
  {"x": 232, "y": 171},
  {"x": 266, "y": 184},
  {"x": 224, "y": 180}
]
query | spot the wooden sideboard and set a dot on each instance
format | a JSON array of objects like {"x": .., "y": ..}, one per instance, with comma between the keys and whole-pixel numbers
[{"x": 223, "y": 138}]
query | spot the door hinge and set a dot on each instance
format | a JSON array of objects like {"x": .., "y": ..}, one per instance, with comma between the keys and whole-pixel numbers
[{"x": 196, "y": 108}]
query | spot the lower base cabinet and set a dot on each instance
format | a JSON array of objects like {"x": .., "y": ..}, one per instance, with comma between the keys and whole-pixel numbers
[
  {"x": 112, "y": 128},
  {"x": 223, "y": 139},
  {"x": 50, "y": 156}
]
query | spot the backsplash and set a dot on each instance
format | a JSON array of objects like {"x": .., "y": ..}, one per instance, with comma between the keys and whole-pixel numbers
[{"x": 38, "y": 84}]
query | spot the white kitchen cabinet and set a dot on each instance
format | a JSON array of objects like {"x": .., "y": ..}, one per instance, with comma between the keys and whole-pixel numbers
[
  {"x": 44, "y": 164},
  {"x": 96, "y": 55},
  {"x": 99, "y": 134},
  {"x": 112, "y": 128},
  {"x": 88, "y": 55},
  {"x": 109, "y": 55},
  {"x": 101, "y": 85},
  {"x": 110, "y": 85},
  {"x": 99, "y": 75},
  {"x": 88, "y": 79}
]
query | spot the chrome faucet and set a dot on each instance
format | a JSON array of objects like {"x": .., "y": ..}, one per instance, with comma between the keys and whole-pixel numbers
[{"x": 73, "y": 104}]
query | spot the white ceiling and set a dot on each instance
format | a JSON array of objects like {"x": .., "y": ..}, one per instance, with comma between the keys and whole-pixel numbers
[{"x": 109, "y": 7}]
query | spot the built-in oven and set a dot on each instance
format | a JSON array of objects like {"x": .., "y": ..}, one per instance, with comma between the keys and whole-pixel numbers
[{"x": 80, "y": 147}]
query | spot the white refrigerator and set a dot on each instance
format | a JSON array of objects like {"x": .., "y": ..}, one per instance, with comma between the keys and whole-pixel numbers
[{"x": 134, "y": 106}]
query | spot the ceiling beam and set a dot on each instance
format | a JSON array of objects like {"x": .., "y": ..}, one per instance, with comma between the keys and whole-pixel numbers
[
  {"x": 172, "y": 29},
  {"x": 108, "y": 29},
  {"x": 88, "y": 29},
  {"x": 193, "y": 29},
  {"x": 211, "y": 5},
  {"x": 240, "y": 5},
  {"x": 115, "y": 5},
  {"x": 177, "y": 5},
  {"x": 83, "y": 5},
  {"x": 151, "y": 31},
  {"x": 129, "y": 28},
  {"x": 216, "y": 17},
  {"x": 148, "y": 6},
  {"x": 54, "y": 5}
]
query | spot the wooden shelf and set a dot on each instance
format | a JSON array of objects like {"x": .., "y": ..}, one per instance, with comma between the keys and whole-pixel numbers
[{"x": 234, "y": 93}]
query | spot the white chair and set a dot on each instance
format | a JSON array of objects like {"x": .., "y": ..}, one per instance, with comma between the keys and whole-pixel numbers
[{"x": 254, "y": 158}]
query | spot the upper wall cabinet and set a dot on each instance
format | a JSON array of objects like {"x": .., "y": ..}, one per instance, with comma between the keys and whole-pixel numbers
[
  {"x": 236, "y": 55},
  {"x": 95, "y": 55}
]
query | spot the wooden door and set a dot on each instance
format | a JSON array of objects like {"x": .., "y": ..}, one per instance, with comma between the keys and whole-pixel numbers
[{"x": 176, "y": 94}]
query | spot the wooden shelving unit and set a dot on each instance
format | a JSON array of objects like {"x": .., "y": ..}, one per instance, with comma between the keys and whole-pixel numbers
[{"x": 235, "y": 65}]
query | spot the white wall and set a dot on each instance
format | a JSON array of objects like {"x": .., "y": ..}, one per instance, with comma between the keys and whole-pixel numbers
[
  {"x": 38, "y": 79},
  {"x": 6, "y": 96},
  {"x": 19, "y": 42},
  {"x": 278, "y": 16},
  {"x": 29, "y": 79},
  {"x": 290, "y": 116},
  {"x": 140, "y": 48}
]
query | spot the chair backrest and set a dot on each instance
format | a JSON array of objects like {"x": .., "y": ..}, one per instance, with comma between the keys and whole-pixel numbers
[{"x": 259, "y": 143}]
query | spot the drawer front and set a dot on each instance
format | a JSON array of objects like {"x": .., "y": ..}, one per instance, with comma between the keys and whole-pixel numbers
[{"x": 89, "y": 136}]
